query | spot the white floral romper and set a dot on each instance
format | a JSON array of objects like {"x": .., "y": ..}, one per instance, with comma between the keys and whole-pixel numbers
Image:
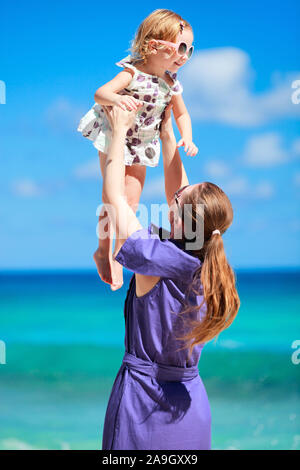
[{"x": 142, "y": 139}]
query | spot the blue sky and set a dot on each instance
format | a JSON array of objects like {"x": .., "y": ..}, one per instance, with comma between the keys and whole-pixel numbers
[{"x": 237, "y": 87}]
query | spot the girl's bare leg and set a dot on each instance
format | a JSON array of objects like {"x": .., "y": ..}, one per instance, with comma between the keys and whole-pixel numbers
[
  {"x": 102, "y": 255},
  {"x": 109, "y": 269},
  {"x": 134, "y": 182}
]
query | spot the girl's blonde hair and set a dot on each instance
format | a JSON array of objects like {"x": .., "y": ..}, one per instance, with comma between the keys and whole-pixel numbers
[
  {"x": 160, "y": 24},
  {"x": 214, "y": 279}
]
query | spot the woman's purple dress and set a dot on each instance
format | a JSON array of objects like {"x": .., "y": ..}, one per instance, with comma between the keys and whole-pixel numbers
[{"x": 158, "y": 400}]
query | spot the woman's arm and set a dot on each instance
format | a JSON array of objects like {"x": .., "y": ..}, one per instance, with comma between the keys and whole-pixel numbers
[
  {"x": 124, "y": 220},
  {"x": 122, "y": 216},
  {"x": 175, "y": 175}
]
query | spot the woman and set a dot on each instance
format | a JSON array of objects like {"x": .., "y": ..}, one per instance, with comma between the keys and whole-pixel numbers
[{"x": 177, "y": 300}]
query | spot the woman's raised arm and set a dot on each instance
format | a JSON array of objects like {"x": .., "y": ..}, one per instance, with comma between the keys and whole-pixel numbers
[
  {"x": 121, "y": 214},
  {"x": 175, "y": 175}
]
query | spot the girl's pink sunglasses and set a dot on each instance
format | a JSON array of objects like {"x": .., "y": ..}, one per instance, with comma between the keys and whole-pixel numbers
[{"x": 180, "y": 47}]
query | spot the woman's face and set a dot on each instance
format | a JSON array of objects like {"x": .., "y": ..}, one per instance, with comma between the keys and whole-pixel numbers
[{"x": 173, "y": 214}]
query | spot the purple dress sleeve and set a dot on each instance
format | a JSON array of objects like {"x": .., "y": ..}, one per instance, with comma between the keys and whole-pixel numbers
[{"x": 144, "y": 252}]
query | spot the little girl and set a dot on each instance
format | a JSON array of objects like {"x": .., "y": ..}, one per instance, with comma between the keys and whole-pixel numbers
[{"x": 147, "y": 83}]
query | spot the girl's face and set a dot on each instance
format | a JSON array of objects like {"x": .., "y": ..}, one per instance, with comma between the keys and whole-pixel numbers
[{"x": 169, "y": 57}]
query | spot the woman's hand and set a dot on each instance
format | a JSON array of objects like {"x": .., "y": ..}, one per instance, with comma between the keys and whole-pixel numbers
[
  {"x": 118, "y": 118},
  {"x": 127, "y": 102},
  {"x": 166, "y": 127}
]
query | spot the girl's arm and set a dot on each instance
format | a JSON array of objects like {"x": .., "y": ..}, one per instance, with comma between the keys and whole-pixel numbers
[
  {"x": 184, "y": 125},
  {"x": 175, "y": 175},
  {"x": 107, "y": 94}
]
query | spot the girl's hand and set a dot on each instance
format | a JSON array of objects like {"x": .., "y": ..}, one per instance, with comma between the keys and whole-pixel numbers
[
  {"x": 189, "y": 147},
  {"x": 119, "y": 118},
  {"x": 127, "y": 102}
]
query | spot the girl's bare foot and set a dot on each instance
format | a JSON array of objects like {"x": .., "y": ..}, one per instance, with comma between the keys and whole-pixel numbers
[
  {"x": 117, "y": 276},
  {"x": 103, "y": 263}
]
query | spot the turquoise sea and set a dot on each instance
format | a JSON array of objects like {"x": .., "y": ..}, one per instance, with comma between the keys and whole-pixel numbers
[{"x": 62, "y": 341}]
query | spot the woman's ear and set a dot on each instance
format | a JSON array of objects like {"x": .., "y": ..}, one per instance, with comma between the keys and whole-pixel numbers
[{"x": 178, "y": 227}]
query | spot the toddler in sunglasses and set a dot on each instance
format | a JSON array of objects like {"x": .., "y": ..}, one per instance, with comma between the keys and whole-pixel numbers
[{"x": 147, "y": 83}]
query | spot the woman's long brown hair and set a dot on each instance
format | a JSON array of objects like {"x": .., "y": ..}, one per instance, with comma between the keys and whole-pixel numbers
[{"x": 214, "y": 279}]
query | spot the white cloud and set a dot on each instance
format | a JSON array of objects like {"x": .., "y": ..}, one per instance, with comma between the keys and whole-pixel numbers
[
  {"x": 154, "y": 188},
  {"x": 241, "y": 187},
  {"x": 265, "y": 150},
  {"x": 297, "y": 178},
  {"x": 89, "y": 170},
  {"x": 63, "y": 116},
  {"x": 296, "y": 148},
  {"x": 264, "y": 190},
  {"x": 258, "y": 224},
  {"x": 295, "y": 225},
  {"x": 216, "y": 169},
  {"x": 27, "y": 188},
  {"x": 236, "y": 186},
  {"x": 217, "y": 87}
]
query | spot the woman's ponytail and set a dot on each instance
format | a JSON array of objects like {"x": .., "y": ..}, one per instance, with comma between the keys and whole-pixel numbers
[{"x": 214, "y": 279}]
